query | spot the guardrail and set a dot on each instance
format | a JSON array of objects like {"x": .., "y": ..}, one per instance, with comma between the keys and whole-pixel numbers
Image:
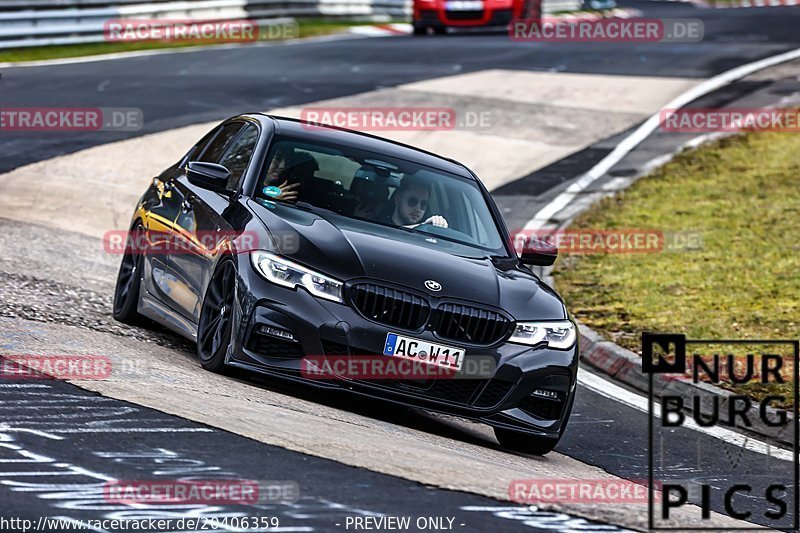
[{"x": 54, "y": 22}]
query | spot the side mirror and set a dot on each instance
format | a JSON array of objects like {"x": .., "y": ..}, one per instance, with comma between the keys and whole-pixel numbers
[
  {"x": 538, "y": 253},
  {"x": 210, "y": 176}
]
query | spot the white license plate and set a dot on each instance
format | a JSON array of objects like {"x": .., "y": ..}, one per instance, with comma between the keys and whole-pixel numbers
[
  {"x": 464, "y": 5},
  {"x": 424, "y": 351}
]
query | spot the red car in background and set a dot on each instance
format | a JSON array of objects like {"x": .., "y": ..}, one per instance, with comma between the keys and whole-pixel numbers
[{"x": 438, "y": 15}]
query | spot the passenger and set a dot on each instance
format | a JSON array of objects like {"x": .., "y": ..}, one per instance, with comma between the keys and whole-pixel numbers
[
  {"x": 288, "y": 171},
  {"x": 277, "y": 166},
  {"x": 370, "y": 201},
  {"x": 411, "y": 204},
  {"x": 301, "y": 169},
  {"x": 371, "y": 191}
]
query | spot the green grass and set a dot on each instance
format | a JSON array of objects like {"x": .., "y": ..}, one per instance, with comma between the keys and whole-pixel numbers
[
  {"x": 741, "y": 194},
  {"x": 306, "y": 28}
]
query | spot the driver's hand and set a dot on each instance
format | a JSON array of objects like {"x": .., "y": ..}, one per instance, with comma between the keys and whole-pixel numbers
[
  {"x": 437, "y": 220},
  {"x": 289, "y": 193}
]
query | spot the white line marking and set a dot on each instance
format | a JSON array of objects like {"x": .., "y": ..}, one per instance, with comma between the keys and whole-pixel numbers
[
  {"x": 622, "y": 149},
  {"x": 9, "y": 429},
  {"x": 23, "y": 386},
  {"x": 606, "y": 388},
  {"x": 103, "y": 422},
  {"x": 29, "y": 457},
  {"x": 41, "y": 474}
]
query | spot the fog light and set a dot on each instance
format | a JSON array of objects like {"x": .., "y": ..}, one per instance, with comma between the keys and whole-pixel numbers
[
  {"x": 546, "y": 394},
  {"x": 275, "y": 332}
]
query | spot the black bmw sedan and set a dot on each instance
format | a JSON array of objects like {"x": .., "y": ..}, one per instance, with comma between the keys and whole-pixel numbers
[{"x": 283, "y": 247}]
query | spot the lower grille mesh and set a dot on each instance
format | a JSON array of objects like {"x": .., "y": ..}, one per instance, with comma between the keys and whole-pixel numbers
[{"x": 480, "y": 393}]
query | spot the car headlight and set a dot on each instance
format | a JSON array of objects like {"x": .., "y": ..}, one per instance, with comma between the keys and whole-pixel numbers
[
  {"x": 283, "y": 272},
  {"x": 560, "y": 334}
]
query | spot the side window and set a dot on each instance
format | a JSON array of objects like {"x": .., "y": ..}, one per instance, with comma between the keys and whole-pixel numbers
[
  {"x": 198, "y": 148},
  {"x": 213, "y": 153},
  {"x": 238, "y": 155}
]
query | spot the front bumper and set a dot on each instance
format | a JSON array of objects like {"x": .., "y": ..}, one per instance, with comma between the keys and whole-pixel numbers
[
  {"x": 531, "y": 389},
  {"x": 441, "y": 18}
]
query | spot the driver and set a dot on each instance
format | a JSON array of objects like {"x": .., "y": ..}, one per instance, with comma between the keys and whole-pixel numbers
[{"x": 411, "y": 204}]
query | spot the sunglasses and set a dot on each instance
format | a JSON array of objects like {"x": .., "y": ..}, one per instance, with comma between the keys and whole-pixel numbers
[{"x": 413, "y": 200}]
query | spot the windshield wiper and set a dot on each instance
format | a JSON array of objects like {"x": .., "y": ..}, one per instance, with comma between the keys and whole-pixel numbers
[{"x": 304, "y": 205}]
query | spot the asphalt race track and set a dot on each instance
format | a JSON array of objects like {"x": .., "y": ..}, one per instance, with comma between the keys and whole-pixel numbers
[
  {"x": 174, "y": 90},
  {"x": 55, "y": 464},
  {"x": 92, "y": 457}
]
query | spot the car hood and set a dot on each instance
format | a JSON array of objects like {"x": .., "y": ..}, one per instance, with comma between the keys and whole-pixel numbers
[{"x": 348, "y": 249}]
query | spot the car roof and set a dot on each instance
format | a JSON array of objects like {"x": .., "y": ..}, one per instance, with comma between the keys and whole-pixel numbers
[{"x": 364, "y": 141}]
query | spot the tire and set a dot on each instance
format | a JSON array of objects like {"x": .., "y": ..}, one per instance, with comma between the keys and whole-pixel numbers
[
  {"x": 215, "y": 327},
  {"x": 440, "y": 31},
  {"x": 420, "y": 30},
  {"x": 129, "y": 281}
]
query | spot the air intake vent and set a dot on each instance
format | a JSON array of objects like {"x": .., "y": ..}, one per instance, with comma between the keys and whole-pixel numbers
[
  {"x": 494, "y": 393},
  {"x": 548, "y": 398}
]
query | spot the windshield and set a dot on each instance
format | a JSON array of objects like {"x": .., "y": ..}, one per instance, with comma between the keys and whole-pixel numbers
[{"x": 374, "y": 189}]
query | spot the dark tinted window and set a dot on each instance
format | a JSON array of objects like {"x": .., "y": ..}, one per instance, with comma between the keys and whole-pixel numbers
[
  {"x": 217, "y": 147},
  {"x": 376, "y": 189},
  {"x": 198, "y": 148},
  {"x": 238, "y": 155}
]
